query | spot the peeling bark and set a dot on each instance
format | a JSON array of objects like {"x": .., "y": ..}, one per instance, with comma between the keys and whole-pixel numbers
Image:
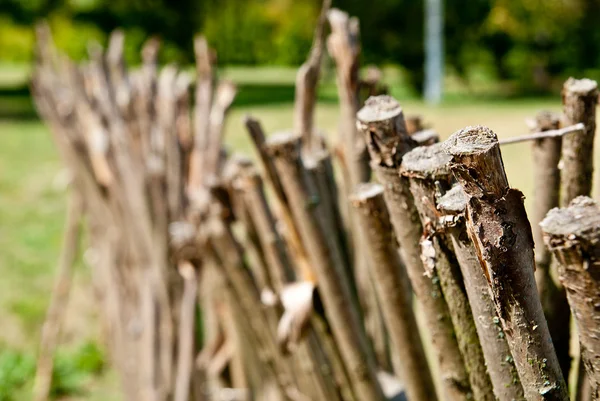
[
  {"x": 428, "y": 172},
  {"x": 499, "y": 360},
  {"x": 498, "y": 225},
  {"x": 382, "y": 123}
]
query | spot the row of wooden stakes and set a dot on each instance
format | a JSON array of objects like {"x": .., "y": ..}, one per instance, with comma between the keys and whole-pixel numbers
[{"x": 294, "y": 278}]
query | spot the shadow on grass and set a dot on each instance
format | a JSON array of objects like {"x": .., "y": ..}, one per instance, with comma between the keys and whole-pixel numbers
[
  {"x": 16, "y": 104},
  {"x": 271, "y": 94}
]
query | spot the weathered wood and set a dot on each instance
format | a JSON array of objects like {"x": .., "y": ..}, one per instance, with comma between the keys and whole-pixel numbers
[
  {"x": 543, "y": 134},
  {"x": 230, "y": 257},
  {"x": 580, "y": 98},
  {"x": 392, "y": 283},
  {"x": 427, "y": 169},
  {"x": 344, "y": 46},
  {"x": 382, "y": 123},
  {"x": 546, "y": 189},
  {"x": 185, "y": 346},
  {"x": 307, "y": 79},
  {"x": 573, "y": 235},
  {"x": 334, "y": 287},
  {"x": 425, "y": 137},
  {"x": 500, "y": 230},
  {"x": 414, "y": 124},
  {"x": 203, "y": 100},
  {"x": 59, "y": 299},
  {"x": 290, "y": 232},
  {"x": 499, "y": 360}
]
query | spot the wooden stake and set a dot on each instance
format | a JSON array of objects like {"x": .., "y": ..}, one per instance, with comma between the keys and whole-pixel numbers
[
  {"x": 573, "y": 235},
  {"x": 292, "y": 236},
  {"x": 382, "y": 123},
  {"x": 427, "y": 169},
  {"x": 187, "y": 332},
  {"x": 334, "y": 286},
  {"x": 307, "y": 79},
  {"x": 393, "y": 291},
  {"x": 499, "y": 360},
  {"x": 60, "y": 297},
  {"x": 546, "y": 189},
  {"x": 580, "y": 98},
  {"x": 500, "y": 230}
]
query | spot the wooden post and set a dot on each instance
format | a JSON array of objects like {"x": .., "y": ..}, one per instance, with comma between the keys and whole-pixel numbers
[
  {"x": 500, "y": 230},
  {"x": 580, "y": 98},
  {"x": 427, "y": 169},
  {"x": 546, "y": 188},
  {"x": 382, "y": 123},
  {"x": 393, "y": 291},
  {"x": 573, "y": 235},
  {"x": 305, "y": 271},
  {"x": 334, "y": 287},
  {"x": 187, "y": 320},
  {"x": 499, "y": 360},
  {"x": 307, "y": 80},
  {"x": 60, "y": 296},
  {"x": 282, "y": 273}
]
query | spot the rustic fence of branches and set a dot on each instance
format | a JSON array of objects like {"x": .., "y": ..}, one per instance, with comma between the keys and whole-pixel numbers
[{"x": 294, "y": 275}]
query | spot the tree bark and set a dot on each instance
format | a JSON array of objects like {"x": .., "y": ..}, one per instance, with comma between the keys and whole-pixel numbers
[
  {"x": 328, "y": 264},
  {"x": 382, "y": 123},
  {"x": 580, "y": 98},
  {"x": 392, "y": 287},
  {"x": 573, "y": 235},
  {"x": 499, "y": 360},
  {"x": 546, "y": 190},
  {"x": 500, "y": 230},
  {"x": 427, "y": 169}
]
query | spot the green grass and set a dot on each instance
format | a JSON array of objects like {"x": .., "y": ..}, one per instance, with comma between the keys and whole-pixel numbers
[{"x": 33, "y": 196}]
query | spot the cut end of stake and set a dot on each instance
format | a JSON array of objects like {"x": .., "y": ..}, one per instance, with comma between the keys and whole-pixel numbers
[
  {"x": 471, "y": 141},
  {"x": 574, "y": 225},
  {"x": 425, "y": 137},
  {"x": 426, "y": 162},
  {"x": 454, "y": 201},
  {"x": 379, "y": 109},
  {"x": 282, "y": 143},
  {"x": 581, "y": 87},
  {"x": 365, "y": 192}
]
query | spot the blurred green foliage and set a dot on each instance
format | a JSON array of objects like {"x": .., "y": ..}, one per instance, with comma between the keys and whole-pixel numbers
[
  {"x": 72, "y": 370},
  {"x": 534, "y": 44}
]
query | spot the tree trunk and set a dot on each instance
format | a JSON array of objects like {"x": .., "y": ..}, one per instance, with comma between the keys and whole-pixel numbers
[{"x": 500, "y": 230}]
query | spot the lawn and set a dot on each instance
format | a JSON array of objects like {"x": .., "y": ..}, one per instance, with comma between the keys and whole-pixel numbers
[{"x": 33, "y": 191}]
